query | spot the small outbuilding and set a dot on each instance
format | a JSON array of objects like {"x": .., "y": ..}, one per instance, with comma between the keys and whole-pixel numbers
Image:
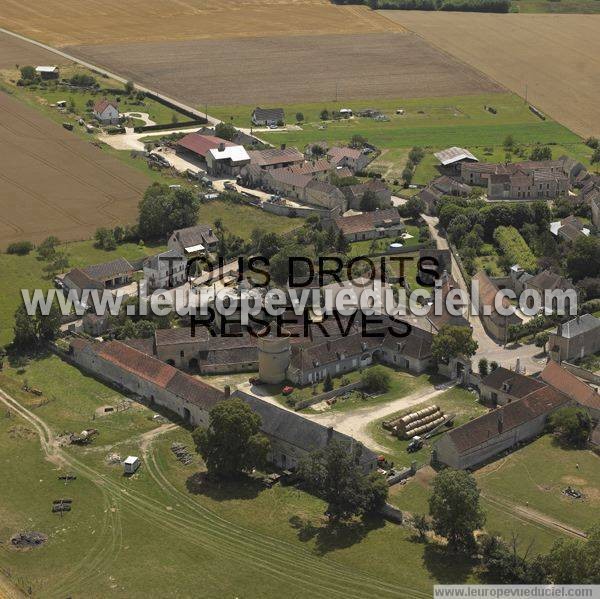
[
  {"x": 46, "y": 72},
  {"x": 131, "y": 464}
]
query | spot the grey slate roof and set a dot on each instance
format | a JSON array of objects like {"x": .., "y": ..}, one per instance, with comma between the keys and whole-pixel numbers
[
  {"x": 153, "y": 261},
  {"x": 297, "y": 430},
  {"x": 580, "y": 325},
  {"x": 108, "y": 270}
]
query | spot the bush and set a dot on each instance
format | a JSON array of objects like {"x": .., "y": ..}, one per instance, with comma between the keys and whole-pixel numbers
[
  {"x": 376, "y": 380},
  {"x": 592, "y": 142},
  {"x": 20, "y": 248},
  {"x": 571, "y": 425}
]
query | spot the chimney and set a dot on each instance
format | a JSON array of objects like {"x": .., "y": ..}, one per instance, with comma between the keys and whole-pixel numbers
[
  {"x": 518, "y": 366},
  {"x": 500, "y": 421},
  {"x": 227, "y": 390},
  {"x": 210, "y": 232},
  {"x": 221, "y": 147}
]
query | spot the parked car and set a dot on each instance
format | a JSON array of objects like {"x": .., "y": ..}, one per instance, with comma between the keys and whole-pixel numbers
[{"x": 229, "y": 186}]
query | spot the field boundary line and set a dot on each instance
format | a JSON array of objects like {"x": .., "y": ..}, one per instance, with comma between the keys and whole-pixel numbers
[{"x": 112, "y": 75}]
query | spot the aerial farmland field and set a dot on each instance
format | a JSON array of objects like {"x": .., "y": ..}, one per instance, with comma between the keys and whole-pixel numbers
[
  {"x": 62, "y": 22},
  {"x": 291, "y": 69},
  {"x": 553, "y": 59},
  {"x": 55, "y": 183}
]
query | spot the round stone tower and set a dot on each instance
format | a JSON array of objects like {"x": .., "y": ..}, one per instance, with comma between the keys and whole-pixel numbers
[{"x": 273, "y": 356}]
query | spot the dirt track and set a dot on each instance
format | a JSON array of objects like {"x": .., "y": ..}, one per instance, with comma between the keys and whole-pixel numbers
[
  {"x": 291, "y": 69},
  {"x": 55, "y": 183},
  {"x": 556, "y": 56}
]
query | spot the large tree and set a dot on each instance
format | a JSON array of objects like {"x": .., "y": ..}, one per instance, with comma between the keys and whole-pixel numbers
[
  {"x": 451, "y": 342},
  {"x": 333, "y": 473},
  {"x": 572, "y": 425},
  {"x": 164, "y": 209},
  {"x": 30, "y": 330},
  {"x": 584, "y": 258},
  {"x": 232, "y": 444},
  {"x": 454, "y": 508}
]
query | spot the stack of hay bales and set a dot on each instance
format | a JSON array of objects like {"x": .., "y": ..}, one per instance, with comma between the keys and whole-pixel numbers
[{"x": 417, "y": 423}]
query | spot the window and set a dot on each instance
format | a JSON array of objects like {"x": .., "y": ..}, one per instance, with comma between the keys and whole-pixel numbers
[{"x": 181, "y": 354}]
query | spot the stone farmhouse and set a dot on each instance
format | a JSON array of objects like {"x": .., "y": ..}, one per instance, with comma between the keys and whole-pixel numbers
[
  {"x": 549, "y": 282},
  {"x": 158, "y": 382},
  {"x": 370, "y": 225},
  {"x": 263, "y": 117},
  {"x": 106, "y": 112},
  {"x": 495, "y": 324},
  {"x": 165, "y": 270},
  {"x": 293, "y": 437},
  {"x": 569, "y": 228},
  {"x": 483, "y": 438},
  {"x": 575, "y": 339},
  {"x": 353, "y": 158},
  {"x": 193, "y": 241},
  {"x": 502, "y": 386},
  {"x": 355, "y": 193}
]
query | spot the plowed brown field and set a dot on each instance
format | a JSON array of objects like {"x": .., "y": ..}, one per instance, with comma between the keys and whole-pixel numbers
[
  {"x": 63, "y": 22},
  {"x": 293, "y": 69},
  {"x": 556, "y": 56},
  {"x": 54, "y": 183}
]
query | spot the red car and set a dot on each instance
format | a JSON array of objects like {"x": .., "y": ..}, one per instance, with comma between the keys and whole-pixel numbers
[{"x": 287, "y": 390}]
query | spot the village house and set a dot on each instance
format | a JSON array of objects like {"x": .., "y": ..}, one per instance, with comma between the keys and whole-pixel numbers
[
  {"x": 370, "y": 225},
  {"x": 566, "y": 382},
  {"x": 325, "y": 195},
  {"x": 355, "y": 193},
  {"x": 275, "y": 158},
  {"x": 575, "y": 339},
  {"x": 47, "y": 73},
  {"x": 180, "y": 346},
  {"x": 319, "y": 169},
  {"x": 449, "y": 186},
  {"x": 165, "y": 270},
  {"x": 549, "y": 285},
  {"x": 502, "y": 386},
  {"x": 522, "y": 184},
  {"x": 286, "y": 183},
  {"x": 569, "y": 228},
  {"x": 438, "y": 319},
  {"x": 193, "y": 241},
  {"x": 356, "y": 160},
  {"x": 293, "y": 436},
  {"x": 499, "y": 430},
  {"x": 106, "y": 112},
  {"x": 263, "y": 117},
  {"x": 495, "y": 324},
  {"x": 452, "y": 159},
  {"x": 434, "y": 259},
  {"x": 431, "y": 197}
]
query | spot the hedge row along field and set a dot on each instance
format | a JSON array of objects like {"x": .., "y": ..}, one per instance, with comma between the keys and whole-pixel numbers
[{"x": 513, "y": 246}]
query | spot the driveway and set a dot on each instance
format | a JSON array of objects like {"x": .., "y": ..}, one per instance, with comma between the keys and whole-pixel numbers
[{"x": 531, "y": 358}]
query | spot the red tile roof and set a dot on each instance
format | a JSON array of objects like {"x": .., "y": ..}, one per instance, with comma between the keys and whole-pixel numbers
[
  {"x": 563, "y": 380},
  {"x": 101, "y": 105},
  {"x": 201, "y": 144}
]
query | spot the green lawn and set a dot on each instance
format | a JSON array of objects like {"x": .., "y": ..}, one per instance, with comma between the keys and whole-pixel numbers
[
  {"x": 26, "y": 272},
  {"x": 51, "y": 92},
  {"x": 402, "y": 384},
  {"x": 230, "y": 539},
  {"x": 457, "y": 401},
  {"x": 539, "y": 472},
  {"x": 427, "y": 122},
  {"x": 241, "y": 219}
]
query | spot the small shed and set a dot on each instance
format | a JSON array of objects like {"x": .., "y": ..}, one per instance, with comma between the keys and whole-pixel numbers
[
  {"x": 47, "y": 72},
  {"x": 131, "y": 464}
]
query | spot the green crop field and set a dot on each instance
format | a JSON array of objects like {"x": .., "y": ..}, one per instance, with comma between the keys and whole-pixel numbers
[{"x": 556, "y": 6}]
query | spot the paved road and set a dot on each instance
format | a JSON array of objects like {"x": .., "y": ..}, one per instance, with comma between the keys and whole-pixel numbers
[{"x": 532, "y": 360}]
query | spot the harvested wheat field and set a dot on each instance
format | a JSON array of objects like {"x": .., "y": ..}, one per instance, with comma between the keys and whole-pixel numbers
[
  {"x": 55, "y": 183},
  {"x": 14, "y": 51},
  {"x": 556, "y": 56},
  {"x": 64, "y": 22},
  {"x": 292, "y": 69}
]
